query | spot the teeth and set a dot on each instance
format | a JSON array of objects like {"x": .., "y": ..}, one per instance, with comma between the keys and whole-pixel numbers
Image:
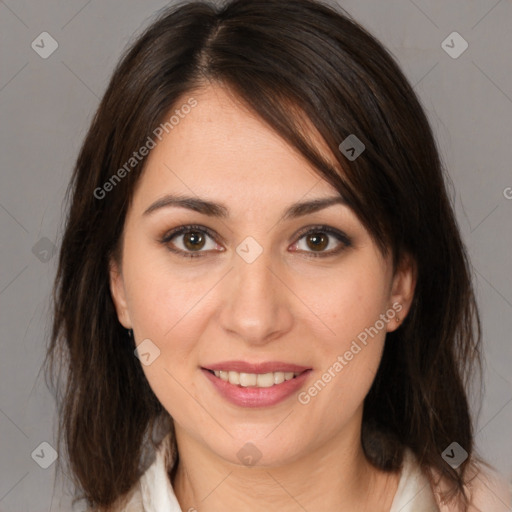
[
  {"x": 234, "y": 378},
  {"x": 278, "y": 377},
  {"x": 248, "y": 379},
  {"x": 259, "y": 380}
]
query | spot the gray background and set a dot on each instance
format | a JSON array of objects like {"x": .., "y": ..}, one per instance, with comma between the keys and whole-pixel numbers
[{"x": 46, "y": 106}]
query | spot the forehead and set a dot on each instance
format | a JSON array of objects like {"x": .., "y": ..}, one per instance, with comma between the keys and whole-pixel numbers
[{"x": 222, "y": 149}]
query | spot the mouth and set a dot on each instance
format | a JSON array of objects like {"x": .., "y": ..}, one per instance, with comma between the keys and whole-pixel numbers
[
  {"x": 256, "y": 384},
  {"x": 265, "y": 384},
  {"x": 254, "y": 380}
]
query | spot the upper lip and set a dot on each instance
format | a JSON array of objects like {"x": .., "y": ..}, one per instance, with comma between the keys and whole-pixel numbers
[{"x": 265, "y": 367}]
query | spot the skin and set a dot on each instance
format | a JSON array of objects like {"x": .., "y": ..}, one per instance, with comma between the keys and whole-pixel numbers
[{"x": 284, "y": 306}]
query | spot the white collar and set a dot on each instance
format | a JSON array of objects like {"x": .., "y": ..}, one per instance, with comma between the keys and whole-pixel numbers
[
  {"x": 414, "y": 493},
  {"x": 156, "y": 490}
]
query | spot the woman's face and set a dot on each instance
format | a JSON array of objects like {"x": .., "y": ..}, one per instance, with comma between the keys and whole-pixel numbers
[{"x": 246, "y": 291}]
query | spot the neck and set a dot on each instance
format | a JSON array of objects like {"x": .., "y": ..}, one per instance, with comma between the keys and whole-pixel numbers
[{"x": 335, "y": 476}]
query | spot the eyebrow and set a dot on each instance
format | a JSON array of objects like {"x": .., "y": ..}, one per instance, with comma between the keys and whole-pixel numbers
[{"x": 220, "y": 211}]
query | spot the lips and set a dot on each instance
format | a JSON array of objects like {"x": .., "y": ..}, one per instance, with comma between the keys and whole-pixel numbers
[
  {"x": 256, "y": 384},
  {"x": 265, "y": 367}
]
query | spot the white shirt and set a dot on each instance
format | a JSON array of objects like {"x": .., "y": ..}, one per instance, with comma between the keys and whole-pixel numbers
[{"x": 154, "y": 492}]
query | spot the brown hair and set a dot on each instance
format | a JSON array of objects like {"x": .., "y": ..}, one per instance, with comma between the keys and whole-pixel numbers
[{"x": 271, "y": 55}]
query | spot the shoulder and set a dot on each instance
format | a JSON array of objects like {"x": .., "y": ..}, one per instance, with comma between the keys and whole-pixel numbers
[
  {"x": 490, "y": 491},
  {"x": 487, "y": 490}
]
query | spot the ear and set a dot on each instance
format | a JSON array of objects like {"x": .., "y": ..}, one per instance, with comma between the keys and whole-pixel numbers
[
  {"x": 402, "y": 290},
  {"x": 118, "y": 293}
]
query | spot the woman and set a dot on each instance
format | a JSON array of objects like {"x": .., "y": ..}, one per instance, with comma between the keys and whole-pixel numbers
[{"x": 262, "y": 279}]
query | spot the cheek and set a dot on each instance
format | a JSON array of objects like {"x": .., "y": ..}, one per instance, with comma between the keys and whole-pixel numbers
[
  {"x": 167, "y": 307},
  {"x": 349, "y": 350},
  {"x": 160, "y": 296},
  {"x": 347, "y": 301},
  {"x": 345, "y": 373}
]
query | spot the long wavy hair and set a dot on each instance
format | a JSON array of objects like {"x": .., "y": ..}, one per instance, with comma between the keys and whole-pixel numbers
[{"x": 287, "y": 61}]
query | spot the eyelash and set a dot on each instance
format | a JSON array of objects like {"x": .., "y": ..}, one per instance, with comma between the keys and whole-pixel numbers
[{"x": 339, "y": 235}]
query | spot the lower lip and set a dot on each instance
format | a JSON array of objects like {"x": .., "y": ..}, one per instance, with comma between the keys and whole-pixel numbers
[{"x": 256, "y": 397}]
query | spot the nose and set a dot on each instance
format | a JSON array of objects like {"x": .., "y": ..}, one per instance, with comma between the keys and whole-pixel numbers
[{"x": 257, "y": 305}]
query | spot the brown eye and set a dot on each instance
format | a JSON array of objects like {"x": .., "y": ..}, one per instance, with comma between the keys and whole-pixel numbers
[
  {"x": 190, "y": 241},
  {"x": 314, "y": 242},
  {"x": 193, "y": 240},
  {"x": 317, "y": 241}
]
